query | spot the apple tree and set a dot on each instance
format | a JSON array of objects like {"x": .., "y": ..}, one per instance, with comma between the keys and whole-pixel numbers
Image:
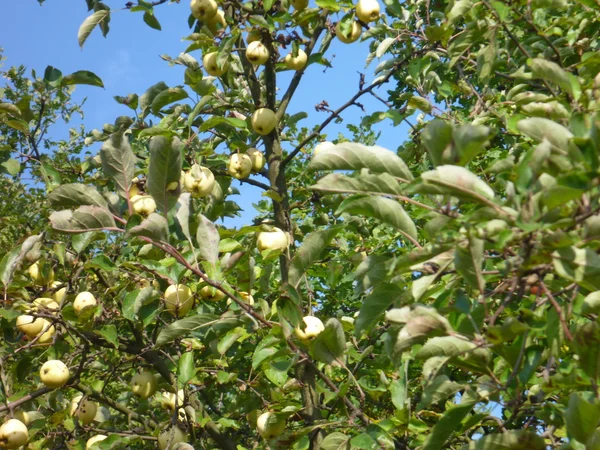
[{"x": 442, "y": 294}]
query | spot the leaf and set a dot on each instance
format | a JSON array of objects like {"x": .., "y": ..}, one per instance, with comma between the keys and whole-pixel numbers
[
  {"x": 439, "y": 389},
  {"x": 185, "y": 369},
  {"x": 509, "y": 440},
  {"x": 363, "y": 183},
  {"x": 353, "y": 156},
  {"x": 12, "y": 166},
  {"x": 90, "y": 23},
  {"x": 133, "y": 301},
  {"x": 183, "y": 214},
  {"x": 109, "y": 332},
  {"x": 185, "y": 326},
  {"x": 118, "y": 161},
  {"x": 82, "y": 77},
  {"x": 421, "y": 103},
  {"x": 330, "y": 344},
  {"x": 52, "y": 76},
  {"x": 437, "y": 139},
  {"x": 470, "y": 141},
  {"x": 468, "y": 260},
  {"x": 148, "y": 97},
  {"x": 154, "y": 227},
  {"x": 167, "y": 97},
  {"x": 84, "y": 218},
  {"x": 538, "y": 128},
  {"x": 459, "y": 9},
  {"x": 152, "y": 21},
  {"x": 163, "y": 170},
  {"x": 450, "y": 346},
  {"x": 581, "y": 265},
  {"x": 310, "y": 251},
  {"x": 383, "y": 46},
  {"x": 456, "y": 181},
  {"x": 446, "y": 426},
  {"x": 552, "y": 72},
  {"x": 76, "y": 194},
  {"x": 587, "y": 347},
  {"x": 336, "y": 441},
  {"x": 385, "y": 209},
  {"x": 374, "y": 305},
  {"x": 9, "y": 108},
  {"x": 11, "y": 260},
  {"x": 208, "y": 238}
]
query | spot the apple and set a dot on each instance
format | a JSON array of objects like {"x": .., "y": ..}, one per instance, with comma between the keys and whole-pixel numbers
[
  {"x": 299, "y": 5},
  {"x": 323, "y": 146},
  {"x": 240, "y": 165},
  {"x": 368, "y": 10},
  {"x": 257, "y": 53},
  {"x": 272, "y": 240},
  {"x": 91, "y": 441},
  {"x": 269, "y": 426},
  {"x": 37, "y": 275},
  {"x": 84, "y": 300},
  {"x": 144, "y": 384},
  {"x": 85, "y": 409},
  {"x": 169, "y": 438},
  {"x": 211, "y": 66},
  {"x": 29, "y": 325},
  {"x": 168, "y": 399},
  {"x": 46, "y": 336},
  {"x": 144, "y": 283},
  {"x": 355, "y": 33},
  {"x": 264, "y": 121},
  {"x": 203, "y": 9},
  {"x": 23, "y": 416},
  {"x": 13, "y": 434},
  {"x": 313, "y": 326},
  {"x": 211, "y": 294},
  {"x": 245, "y": 297},
  {"x": 297, "y": 62},
  {"x": 172, "y": 186},
  {"x": 253, "y": 36},
  {"x": 199, "y": 181},
  {"x": 179, "y": 299},
  {"x": 134, "y": 189},
  {"x": 143, "y": 205},
  {"x": 182, "y": 446},
  {"x": 54, "y": 373},
  {"x": 216, "y": 22},
  {"x": 258, "y": 159},
  {"x": 45, "y": 304},
  {"x": 58, "y": 295}
]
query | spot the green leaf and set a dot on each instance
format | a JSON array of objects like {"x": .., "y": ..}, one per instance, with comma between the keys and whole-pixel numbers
[
  {"x": 354, "y": 156},
  {"x": 336, "y": 441},
  {"x": 458, "y": 10},
  {"x": 456, "y": 181},
  {"x": 82, "y": 77},
  {"x": 437, "y": 139},
  {"x": 109, "y": 332},
  {"x": 420, "y": 103},
  {"x": 374, "y": 305},
  {"x": 439, "y": 389},
  {"x": 154, "y": 227},
  {"x": 330, "y": 344},
  {"x": 508, "y": 440},
  {"x": 185, "y": 369},
  {"x": 446, "y": 426},
  {"x": 152, "y": 21},
  {"x": 581, "y": 265},
  {"x": 101, "y": 262},
  {"x": 587, "y": 347},
  {"x": 363, "y": 183},
  {"x": 207, "y": 237},
  {"x": 185, "y": 326},
  {"x": 133, "y": 301},
  {"x": 76, "y": 194},
  {"x": 52, "y": 76},
  {"x": 468, "y": 260},
  {"x": 538, "y": 128},
  {"x": 148, "y": 97},
  {"x": 450, "y": 346},
  {"x": 9, "y": 108},
  {"x": 118, "y": 161},
  {"x": 167, "y": 97},
  {"x": 12, "y": 166},
  {"x": 183, "y": 214},
  {"x": 163, "y": 170},
  {"x": 90, "y": 23},
  {"x": 84, "y": 218},
  {"x": 552, "y": 72},
  {"x": 11, "y": 260}
]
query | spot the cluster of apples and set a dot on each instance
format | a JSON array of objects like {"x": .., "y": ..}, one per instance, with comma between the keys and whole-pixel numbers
[
  {"x": 208, "y": 12},
  {"x": 241, "y": 165}
]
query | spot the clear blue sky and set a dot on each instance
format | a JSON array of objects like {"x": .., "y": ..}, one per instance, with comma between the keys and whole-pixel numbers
[{"x": 128, "y": 62}]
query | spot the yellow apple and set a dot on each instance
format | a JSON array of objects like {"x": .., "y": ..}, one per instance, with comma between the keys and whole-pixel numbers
[
  {"x": 269, "y": 426},
  {"x": 264, "y": 121},
  {"x": 171, "y": 437},
  {"x": 84, "y": 300},
  {"x": 313, "y": 326},
  {"x": 258, "y": 159},
  {"x": 54, "y": 373},
  {"x": 299, "y": 5},
  {"x": 253, "y": 36},
  {"x": 168, "y": 400},
  {"x": 13, "y": 434},
  {"x": 179, "y": 299},
  {"x": 210, "y": 65},
  {"x": 85, "y": 409},
  {"x": 203, "y": 9},
  {"x": 91, "y": 441},
  {"x": 297, "y": 62},
  {"x": 23, "y": 416},
  {"x": 37, "y": 275},
  {"x": 29, "y": 325},
  {"x": 368, "y": 10},
  {"x": 272, "y": 240},
  {"x": 353, "y": 36},
  {"x": 245, "y": 297},
  {"x": 240, "y": 166},
  {"x": 45, "y": 304},
  {"x": 211, "y": 294},
  {"x": 199, "y": 181},
  {"x": 322, "y": 146},
  {"x": 144, "y": 384},
  {"x": 143, "y": 205},
  {"x": 134, "y": 189},
  {"x": 216, "y": 22},
  {"x": 172, "y": 186},
  {"x": 257, "y": 53},
  {"x": 58, "y": 295},
  {"x": 46, "y": 336},
  {"x": 182, "y": 446}
]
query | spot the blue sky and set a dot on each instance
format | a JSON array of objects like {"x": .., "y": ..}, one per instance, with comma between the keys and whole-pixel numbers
[{"x": 128, "y": 61}]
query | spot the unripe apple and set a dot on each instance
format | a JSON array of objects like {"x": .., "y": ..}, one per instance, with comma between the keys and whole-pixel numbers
[
  {"x": 323, "y": 146},
  {"x": 268, "y": 426},
  {"x": 253, "y": 36},
  {"x": 203, "y": 9},
  {"x": 245, "y": 297},
  {"x": 46, "y": 336},
  {"x": 13, "y": 434},
  {"x": 210, "y": 64},
  {"x": 199, "y": 181},
  {"x": 216, "y": 22},
  {"x": 264, "y": 121},
  {"x": 258, "y": 159},
  {"x": 40, "y": 278},
  {"x": 84, "y": 300},
  {"x": 240, "y": 166},
  {"x": 144, "y": 384},
  {"x": 45, "y": 304},
  {"x": 211, "y": 294},
  {"x": 168, "y": 439},
  {"x": 29, "y": 325},
  {"x": 91, "y": 441},
  {"x": 59, "y": 294},
  {"x": 272, "y": 240},
  {"x": 297, "y": 62},
  {"x": 368, "y": 10},
  {"x": 353, "y": 36},
  {"x": 299, "y": 5},
  {"x": 179, "y": 299},
  {"x": 143, "y": 205},
  {"x": 54, "y": 373},
  {"x": 85, "y": 409},
  {"x": 257, "y": 53},
  {"x": 168, "y": 400},
  {"x": 313, "y": 326}
]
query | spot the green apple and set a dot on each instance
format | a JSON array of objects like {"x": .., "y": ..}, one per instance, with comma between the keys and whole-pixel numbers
[
  {"x": 143, "y": 205},
  {"x": 297, "y": 62},
  {"x": 245, "y": 297},
  {"x": 39, "y": 277},
  {"x": 84, "y": 300},
  {"x": 212, "y": 67},
  {"x": 46, "y": 336},
  {"x": 91, "y": 441},
  {"x": 203, "y": 9},
  {"x": 144, "y": 384},
  {"x": 179, "y": 299},
  {"x": 13, "y": 434},
  {"x": 216, "y": 22},
  {"x": 258, "y": 159},
  {"x": 168, "y": 400},
  {"x": 323, "y": 146},
  {"x": 257, "y": 53},
  {"x": 368, "y": 10},
  {"x": 199, "y": 181},
  {"x": 269, "y": 426},
  {"x": 84, "y": 409},
  {"x": 211, "y": 294},
  {"x": 45, "y": 304},
  {"x": 299, "y": 5},
  {"x": 272, "y": 240},
  {"x": 29, "y": 325},
  {"x": 58, "y": 295},
  {"x": 171, "y": 437},
  {"x": 54, "y": 373},
  {"x": 264, "y": 121},
  {"x": 353, "y": 36},
  {"x": 313, "y": 327},
  {"x": 239, "y": 166}
]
